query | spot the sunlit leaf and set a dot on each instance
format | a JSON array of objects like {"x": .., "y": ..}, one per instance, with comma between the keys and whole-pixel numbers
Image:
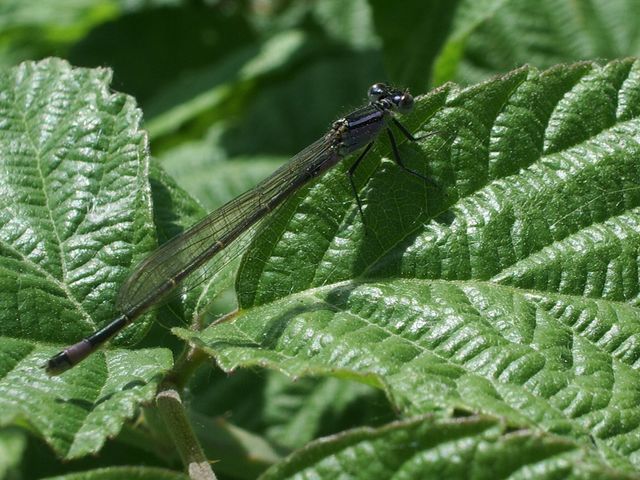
[
  {"x": 510, "y": 288},
  {"x": 75, "y": 215}
]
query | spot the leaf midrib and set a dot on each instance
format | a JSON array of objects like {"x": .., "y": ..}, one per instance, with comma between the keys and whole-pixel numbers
[{"x": 38, "y": 156}]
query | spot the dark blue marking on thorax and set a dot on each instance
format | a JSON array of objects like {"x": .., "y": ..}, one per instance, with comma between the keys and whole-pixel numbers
[{"x": 363, "y": 127}]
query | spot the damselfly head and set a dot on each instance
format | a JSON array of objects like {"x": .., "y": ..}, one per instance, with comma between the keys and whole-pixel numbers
[
  {"x": 397, "y": 100},
  {"x": 403, "y": 102},
  {"x": 377, "y": 91}
]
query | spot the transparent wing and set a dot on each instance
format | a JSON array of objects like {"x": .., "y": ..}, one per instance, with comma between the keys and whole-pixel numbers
[
  {"x": 213, "y": 234},
  {"x": 204, "y": 281}
]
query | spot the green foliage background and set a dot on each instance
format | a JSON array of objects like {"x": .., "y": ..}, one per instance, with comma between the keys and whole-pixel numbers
[{"x": 487, "y": 327}]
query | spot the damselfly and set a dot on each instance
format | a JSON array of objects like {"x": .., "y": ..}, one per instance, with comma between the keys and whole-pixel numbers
[{"x": 170, "y": 264}]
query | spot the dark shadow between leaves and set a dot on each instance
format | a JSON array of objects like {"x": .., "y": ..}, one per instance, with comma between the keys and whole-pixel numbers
[
  {"x": 165, "y": 215},
  {"x": 85, "y": 405}
]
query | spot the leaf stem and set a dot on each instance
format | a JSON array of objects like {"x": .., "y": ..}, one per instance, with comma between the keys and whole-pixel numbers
[
  {"x": 187, "y": 363},
  {"x": 175, "y": 417},
  {"x": 192, "y": 357}
]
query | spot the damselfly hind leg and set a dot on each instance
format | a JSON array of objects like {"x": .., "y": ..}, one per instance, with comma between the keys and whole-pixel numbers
[
  {"x": 404, "y": 130},
  {"x": 412, "y": 137},
  {"x": 350, "y": 174},
  {"x": 398, "y": 159}
]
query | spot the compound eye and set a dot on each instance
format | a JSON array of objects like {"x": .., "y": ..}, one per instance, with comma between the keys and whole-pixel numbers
[
  {"x": 377, "y": 91},
  {"x": 404, "y": 102}
]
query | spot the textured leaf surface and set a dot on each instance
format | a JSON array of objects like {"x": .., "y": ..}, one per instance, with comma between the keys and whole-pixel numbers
[
  {"x": 75, "y": 214},
  {"x": 422, "y": 448},
  {"x": 511, "y": 289}
]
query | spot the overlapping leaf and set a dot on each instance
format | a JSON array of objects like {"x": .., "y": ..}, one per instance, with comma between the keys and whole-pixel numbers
[
  {"x": 510, "y": 289},
  {"x": 491, "y": 36},
  {"x": 422, "y": 447}
]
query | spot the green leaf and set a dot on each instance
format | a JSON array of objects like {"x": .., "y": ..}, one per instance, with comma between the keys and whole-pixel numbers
[
  {"x": 75, "y": 216},
  {"x": 412, "y": 36},
  {"x": 423, "y": 447},
  {"x": 118, "y": 473},
  {"x": 145, "y": 59},
  {"x": 31, "y": 29},
  {"x": 493, "y": 36},
  {"x": 509, "y": 289},
  {"x": 300, "y": 411},
  {"x": 288, "y": 414},
  {"x": 209, "y": 91},
  {"x": 245, "y": 455},
  {"x": 67, "y": 13},
  {"x": 76, "y": 205},
  {"x": 201, "y": 168},
  {"x": 350, "y": 23},
  {"x": 75, "y": 413},
  {"x": 468, "y": 17},
  {"x": 12, "y": 447}
]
